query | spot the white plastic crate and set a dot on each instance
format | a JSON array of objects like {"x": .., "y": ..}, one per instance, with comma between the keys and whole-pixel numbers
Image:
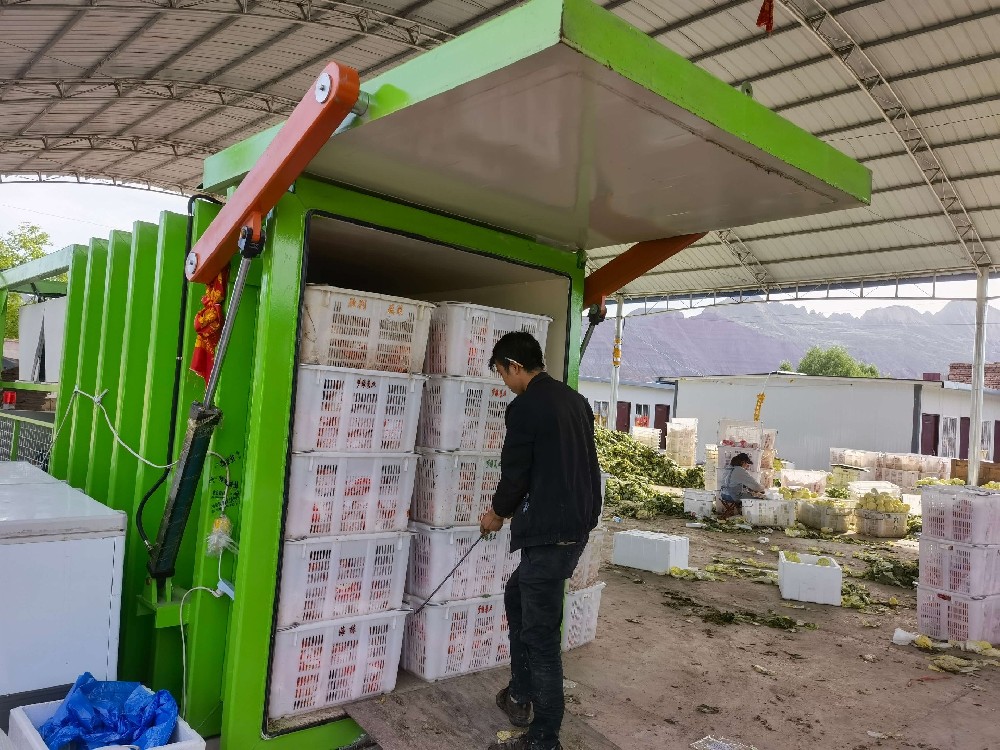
[
  {"x": 463, "y": 414},
  {"x": 434, "y": 552},
  {"x": 699, "y": 503},
  {"x": 454, "y": 489},
  {"x": 808, "y": 581},
  {"x": 961, "y": 568},
  {"x": 761, "y": 512},
  {"x": 348, "y": 493},
  {"x": 814, "y": 481},
  {"x": 25, "y": 721},
  {"x": 330, "y": 663},
  {"x": 649, "y": 550},
  {"x": 589, "y": 566},
  {"x": 857, "y": 490},
  {"x": 455, "y": 638},
  {"x": 958, "y": 617},
  {"x": 878, "y": 524},
  {"x": 462, "y": 337},
  {"x": 961, "y": 514},
  {"x": 363, "y": 331},
  {"x": 733, "y": 432},
  {"x": 339, "y": 411},
  {"x": 844, "y": 475},
  {"x": 342, "y": 576},
  {"x": 580, "y": 612}
]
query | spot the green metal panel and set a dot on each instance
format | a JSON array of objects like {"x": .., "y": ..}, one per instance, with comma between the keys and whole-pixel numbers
[
  {"x": 75, "y": 296},
  {"x": 49, "y": 265},
  {"x": 82, "y": 418},
  {"x": 110, "y": 352}
]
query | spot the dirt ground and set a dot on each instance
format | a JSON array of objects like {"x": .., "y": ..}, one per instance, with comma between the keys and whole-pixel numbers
[{"x": 659, "y": 677}]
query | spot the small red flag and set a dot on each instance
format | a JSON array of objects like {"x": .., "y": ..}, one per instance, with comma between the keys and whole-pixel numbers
[
  {"x": 208, "y": 325},
  {"x": 765, "y": 19}
]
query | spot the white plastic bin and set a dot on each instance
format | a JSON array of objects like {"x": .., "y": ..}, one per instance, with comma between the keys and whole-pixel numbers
[
  {"x": 463, "y": 414},
  {"x": 589, "y": 566},
  {"x": 961, "y": 568},
  {"x": 882, "y": 525},
  {"x": 462, "y": 337},
  {"x": 455, "y": 638},
  {"x": 649, "y": 550},
  {"x": 808, "y": 581},
  {"x": 814, "y": 481},
  {"x": 339, "y": 411},
  {"x": 857, "y": 490},
  {"x": 957, "y": 617},
  {"x": 758, "y": 512},
  {"x": 741, "y": 434},
  {"x": 580, "y": 613},
  {"x": 434, "y": 552},
  {"x": 699, "y": 503},
  {"x": 961, "y": 514},
  {"x": 363, "y": 331},
  {"x": 454, "y": 488},
  {"x": 27, "y": 720},
  {"x": 331, "y": 577},
  {"x": 348, "y": 493},
  {"x": 330, "y": 663}
]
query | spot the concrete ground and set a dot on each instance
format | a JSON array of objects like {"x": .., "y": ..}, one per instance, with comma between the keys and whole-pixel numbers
[{"x": 659, "y": 676}]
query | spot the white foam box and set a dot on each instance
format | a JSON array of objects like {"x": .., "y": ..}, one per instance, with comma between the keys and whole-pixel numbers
[
  {"x": 26, "y": 720},
  {"x": 699, "y": 503},
  {"x": 806, "y": 581},
  {"x": 649, "y": 550}
]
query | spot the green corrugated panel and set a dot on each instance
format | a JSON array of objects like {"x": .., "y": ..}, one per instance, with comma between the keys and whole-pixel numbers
[
  {"x": 75, "y": 294},
  {"x": 111, "y": 351}
]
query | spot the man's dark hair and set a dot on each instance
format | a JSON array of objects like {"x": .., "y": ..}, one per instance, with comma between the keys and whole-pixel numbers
[
  {"x": 519, "y": 347},
  {"x": 739, "y": 459}
]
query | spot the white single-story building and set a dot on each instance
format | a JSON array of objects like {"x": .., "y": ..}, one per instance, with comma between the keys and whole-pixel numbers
[{"x": 814, "y": 413}]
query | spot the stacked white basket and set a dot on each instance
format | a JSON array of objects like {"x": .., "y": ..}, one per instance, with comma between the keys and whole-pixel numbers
[
  {"x": 460, "y": 434},
  {"x": 682, "y": 441},
  {"x": 711, "y": 467},
  {"x": 351, "y": 476},
  {"x": 958, "y": 596}
]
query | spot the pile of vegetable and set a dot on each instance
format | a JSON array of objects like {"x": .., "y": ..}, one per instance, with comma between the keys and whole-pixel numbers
[
  {"x": 797, "y": 493},
  {"x": 902, "y": 573},
  {"x": 882, "y": 502},
  {"x": 932, "y": 481},
  {"x": 838, "y": 493},
  {"x": 637, "y": 472}
]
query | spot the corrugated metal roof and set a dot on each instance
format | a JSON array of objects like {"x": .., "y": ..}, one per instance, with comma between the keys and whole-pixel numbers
[{"x": 158, "y": 84}]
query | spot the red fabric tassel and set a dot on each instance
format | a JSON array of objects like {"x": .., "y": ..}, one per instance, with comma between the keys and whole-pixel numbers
[
  {"x": 208, "y": 326},
  {"x": 765, "y": 19}
]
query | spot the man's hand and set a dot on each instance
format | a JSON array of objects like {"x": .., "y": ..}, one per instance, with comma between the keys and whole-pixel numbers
[{"x": 490, "y": 523}]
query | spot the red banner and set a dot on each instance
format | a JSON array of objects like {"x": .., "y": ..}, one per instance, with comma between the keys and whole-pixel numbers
[
  {"x": 765, "y": 19},
  {"x": 208, "y": 325}
]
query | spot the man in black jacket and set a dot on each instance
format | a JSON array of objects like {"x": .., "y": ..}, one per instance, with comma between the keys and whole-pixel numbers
[{"x": 550, "y": 486}]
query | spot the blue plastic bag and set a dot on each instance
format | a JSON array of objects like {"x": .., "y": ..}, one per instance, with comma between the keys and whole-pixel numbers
[{"x": 97, "y": 714}]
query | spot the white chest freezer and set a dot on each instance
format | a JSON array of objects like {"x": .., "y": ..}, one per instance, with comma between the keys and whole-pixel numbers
[
  {"x": 61, "y": 556},
  {"x": 21, "y": 472}
]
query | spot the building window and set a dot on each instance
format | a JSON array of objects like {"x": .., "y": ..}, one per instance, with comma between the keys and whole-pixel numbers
[
  {"x": 641, "y": 418},
  {"x": 949, "y": 437},
  {"x": 602, "y": 409}
]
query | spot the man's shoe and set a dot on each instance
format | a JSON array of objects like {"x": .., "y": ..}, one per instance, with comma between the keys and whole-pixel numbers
[
  {"x": 518, "y": 713},
  {"x": 520, "y": 742}
]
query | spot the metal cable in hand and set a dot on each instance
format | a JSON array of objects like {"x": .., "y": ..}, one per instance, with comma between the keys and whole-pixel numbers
[{"x": 447, "y": 577}]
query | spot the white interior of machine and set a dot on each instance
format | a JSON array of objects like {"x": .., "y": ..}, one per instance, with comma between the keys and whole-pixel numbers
[{"x": 352, "y": 256}]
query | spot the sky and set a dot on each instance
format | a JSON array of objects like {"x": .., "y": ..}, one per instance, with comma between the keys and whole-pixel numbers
[{"x": 73, "y": 213}]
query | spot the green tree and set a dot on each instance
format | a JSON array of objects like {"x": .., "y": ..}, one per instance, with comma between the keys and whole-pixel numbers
[
  {"x": 17, "y": 246},
  {"x": 836, "y": 362},
  {"x": 785, "y": 366}
]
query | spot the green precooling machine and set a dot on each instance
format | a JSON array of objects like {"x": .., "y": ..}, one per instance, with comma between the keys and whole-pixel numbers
[{"x": 481, "y": 171}]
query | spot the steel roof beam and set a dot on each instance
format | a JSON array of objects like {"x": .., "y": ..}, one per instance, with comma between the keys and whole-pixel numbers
[
  {"x": 44, "y": 50},
  {"x": 814, "y": 17},
  {"x": 989, "y": 99},
  {"x": 60, "y": 141},
  {"x": 82, "y": 178},
  {"x": 914, "y": 185},
  {"x": 745, "y": 257},
  {"x": 943, "y": 145}
]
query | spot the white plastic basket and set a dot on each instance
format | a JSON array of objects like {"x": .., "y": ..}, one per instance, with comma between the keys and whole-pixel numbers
[
  {"x": 342, "y": 576},
  {"x": 740, "y": 434},
  {"x": 814, "y": 481},
  {"x": 958, "y": 617},
  {"x": 699, "y": 503},
  {"x": 961, "y": 568},
  {"x": 878, "y": 524},
  {"x": 340, "y": 411},
  {"x": 363, "y": 331},
  {"x": 463, "y": 414},
  {"x": 348, "y": 493},
  {"x": 589, "y": 566},
  {"x": 780, "y": 513},
  {"x": 462, "y": 337},
  {"x": 454, "y": 489},
  {"x": 434, "y": 552},
  {"x": 455, "y": 638},
  {"x": 808, "y": 581},
  {"x": 25, "y": 721},
  {"x": 580, "y": 613},
  {"x": 961, "y": 514},
  {"x": 857, "y": 490},
  {"x": 330, "y": 663}
]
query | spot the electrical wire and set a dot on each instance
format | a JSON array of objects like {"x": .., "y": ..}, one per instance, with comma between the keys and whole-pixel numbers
[{"x": 184, "y": 683}]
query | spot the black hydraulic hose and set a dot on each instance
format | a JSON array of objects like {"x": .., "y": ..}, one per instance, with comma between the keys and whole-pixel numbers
[{"x": 178, "y": 366}]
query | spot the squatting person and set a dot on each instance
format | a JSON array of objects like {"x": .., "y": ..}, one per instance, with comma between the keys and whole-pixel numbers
[
  {"x": 737, "y": 483},
  {"x": 550, "y": 488}
]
